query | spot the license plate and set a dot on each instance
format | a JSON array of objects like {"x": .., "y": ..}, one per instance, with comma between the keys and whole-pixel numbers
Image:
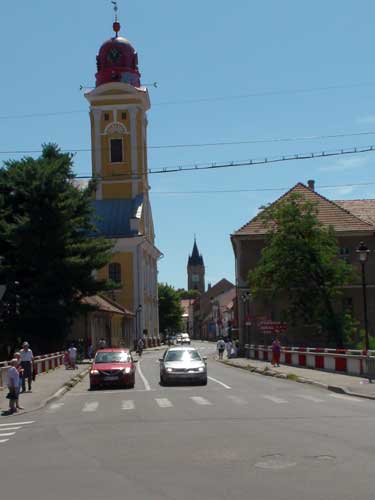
[{"x": 110, "y": 378}]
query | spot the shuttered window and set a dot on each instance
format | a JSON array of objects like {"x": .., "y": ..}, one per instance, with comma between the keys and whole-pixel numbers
[
  {"x": 114, "y": 272},
  {"x": 116, "y": 151}
]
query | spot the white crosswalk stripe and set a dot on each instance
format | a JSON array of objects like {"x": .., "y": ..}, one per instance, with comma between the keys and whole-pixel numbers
[
  {"x": 163, "y": 402},
  {"x": 274, "y": 399},
  {"x": 200, "y": 401},
  {"x": 346, "y": 398},
  {"x": 128, "y": 405},
  {"x": 6, "y": 430},
  {"x": 54, "y": 407},
  {"x": 90, "y": 407},
  {"x": 237, "y": 400},
  {"x": 310, "y": 398}
]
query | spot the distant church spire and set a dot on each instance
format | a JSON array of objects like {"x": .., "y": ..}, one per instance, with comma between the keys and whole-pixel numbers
[{"x": 196, "y": 270}]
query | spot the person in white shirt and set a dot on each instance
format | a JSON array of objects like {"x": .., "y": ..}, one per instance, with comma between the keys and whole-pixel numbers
[
  {"x": 13, "y": 382},
  {"x": 229, "y": 347},
  {"x": 72, "y": 356},
  {"x": 27, "y": 358}
]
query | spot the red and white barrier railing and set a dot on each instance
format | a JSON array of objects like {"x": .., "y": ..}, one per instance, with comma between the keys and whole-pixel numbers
[
  {"x": 349, "y": 361},
  {"x": 41, "y": 364}
]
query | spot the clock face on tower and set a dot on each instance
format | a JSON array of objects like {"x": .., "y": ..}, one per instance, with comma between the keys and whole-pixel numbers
[
  {"x": 195, "y": 278},
  {"x": 113, "y": 55}
]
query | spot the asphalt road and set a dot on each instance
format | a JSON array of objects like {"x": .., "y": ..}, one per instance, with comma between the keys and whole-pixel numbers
[{"x": 241, "y": 436}]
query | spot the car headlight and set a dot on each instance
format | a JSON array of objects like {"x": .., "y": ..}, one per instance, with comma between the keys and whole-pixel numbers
[
  {"x": 94, "y": 372},
  {"x": 128, "y": 369},
  {"x": 201, "y": 369},
  {"x": 169, "y": 370}
]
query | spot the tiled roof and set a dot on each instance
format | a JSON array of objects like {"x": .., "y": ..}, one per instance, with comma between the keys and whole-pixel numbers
[
  {"x": 364, "y": 209},
  {"x": 112, "y": 217},
  {"x": 102, "y": 304},
  {"x": 330, "y": 213}
]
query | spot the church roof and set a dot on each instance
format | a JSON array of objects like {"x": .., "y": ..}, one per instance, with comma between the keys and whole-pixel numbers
[
  {"x": 195, "y": 259},
  {"x": 112, "y": 217}
]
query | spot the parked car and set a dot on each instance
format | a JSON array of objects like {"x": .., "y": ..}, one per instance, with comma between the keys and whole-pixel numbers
[
  {"x": 185, "y": 339},
  {"x": 112, "y": 367},
  {"x": 183, "y": 364},
  {"x": 178, "y": 338}
]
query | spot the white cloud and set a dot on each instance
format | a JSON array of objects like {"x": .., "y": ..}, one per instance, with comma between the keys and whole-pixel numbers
[
  {"x": 335, "y": 193},
  {"x": 346, "y": 164},
  {"x": 366, "y": 119}
]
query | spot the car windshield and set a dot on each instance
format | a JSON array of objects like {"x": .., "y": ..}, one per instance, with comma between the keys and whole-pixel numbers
[
  {"x": 182, "y": 356},
  {"x": 112, "y": 357}
]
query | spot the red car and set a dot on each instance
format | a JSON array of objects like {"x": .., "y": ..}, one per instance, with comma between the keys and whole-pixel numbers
[{"x": 112, "y": 367}]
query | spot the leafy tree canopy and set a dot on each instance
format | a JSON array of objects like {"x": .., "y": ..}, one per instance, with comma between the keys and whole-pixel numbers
[
  {"x": 48, "y": 256},
  {"x": 170, "y": 310},
  {"x": 300, "y": 262},
  {"x": 188, "y": 294}
]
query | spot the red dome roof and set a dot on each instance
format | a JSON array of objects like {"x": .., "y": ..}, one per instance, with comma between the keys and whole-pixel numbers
[{"x": 117, "y": 61}]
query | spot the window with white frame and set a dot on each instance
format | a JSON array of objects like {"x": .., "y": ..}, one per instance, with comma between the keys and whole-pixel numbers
[{"x": 345, "y": 253}]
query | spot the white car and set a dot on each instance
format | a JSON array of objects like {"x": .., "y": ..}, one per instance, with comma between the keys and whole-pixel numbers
[{"x": 185, "y": 339}]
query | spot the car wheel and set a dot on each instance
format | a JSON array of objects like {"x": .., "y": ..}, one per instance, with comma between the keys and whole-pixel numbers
[
  {"x": 91, "y": 388},
  {"x": 130, "y": 386},
  {"x": 204, "y": 382}
]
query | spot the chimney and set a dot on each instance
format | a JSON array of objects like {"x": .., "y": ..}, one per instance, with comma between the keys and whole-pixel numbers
[{"x": 311, "y": 184}]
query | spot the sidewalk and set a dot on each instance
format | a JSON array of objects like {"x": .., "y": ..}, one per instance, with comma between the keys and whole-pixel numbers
[
  {"x": 43, "y": 389},
  {"x": 354, "y": 386}
]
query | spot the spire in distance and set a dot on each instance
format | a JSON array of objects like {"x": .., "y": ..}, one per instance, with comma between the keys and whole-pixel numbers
[{"x": 195, "y": 259}]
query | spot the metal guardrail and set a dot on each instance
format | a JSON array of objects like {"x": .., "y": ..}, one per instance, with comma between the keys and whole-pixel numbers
[{"x": 41, "y": 364}]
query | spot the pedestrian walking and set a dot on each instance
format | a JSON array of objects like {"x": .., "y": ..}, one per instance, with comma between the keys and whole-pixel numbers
[
  {"x": 72, "y": 356},
  {"x": 140, "y": 346},
  {"x": 13, "y": 383},
  {"x": 276, "y": 350},
  {"x": 90, "y": 351},
  {"x": 229, "y": 347},
  {"x": 220, "y": 347},
  {"x": 27, "y": 358}
]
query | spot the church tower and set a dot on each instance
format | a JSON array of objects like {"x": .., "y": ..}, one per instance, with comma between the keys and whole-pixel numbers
[
  {"x": 118, "y": 107},
  {"x": 195, "y": 270}
]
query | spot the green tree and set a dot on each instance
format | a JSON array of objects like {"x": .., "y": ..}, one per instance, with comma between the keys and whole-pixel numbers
[
  {"x": 170, "y": 310},
  {"x": 188, "y": 294},
  {"x": 300, "y": 262},
  {"x": 48, "y": 252}
]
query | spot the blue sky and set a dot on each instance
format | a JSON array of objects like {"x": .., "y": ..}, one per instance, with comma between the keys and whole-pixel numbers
[{"x": 226, "y": 72}]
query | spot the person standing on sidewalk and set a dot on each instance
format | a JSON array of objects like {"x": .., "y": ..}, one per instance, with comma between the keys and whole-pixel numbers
[
  {"x": 220, "y": 347},
  {"x": 13, "y": 383},
  {"x": 229, "y": 347},
  {"x": 276, "y": 350},
  {"x": 72, "y": 356},
  {"x": 17, "y": 356},
  {"x": 27, "y": 359}
]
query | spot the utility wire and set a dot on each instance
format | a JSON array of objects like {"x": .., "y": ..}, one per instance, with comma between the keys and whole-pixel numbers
[
  {"x": 208, "y": 99},
  {"x": 249, "y": 163},
  {"x": 210, "y": 144}
]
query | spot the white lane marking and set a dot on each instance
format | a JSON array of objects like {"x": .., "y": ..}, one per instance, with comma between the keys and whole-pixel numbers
[
  {"x": 54, "y": 407},
  {"x": 128, "y": 405},
  {"x": 3, "y": 440},
  {"x": 6, "y": 434},
  {"x": 219, "y": 382},
  {"x": 163, "y": 402},
  {"x": 274, "y": 399},
  {"x": 200, "y": 401},
  {"x": 17, "y": 423},
  {"x": 144, "y": 379},
  {"x": 237, "y": 400},
  {"x": 90, "y": 407},
  {"x": 10, "y": 429},
  {"x": 310, "y": 398},
  {"x": 346, "y": 398}
]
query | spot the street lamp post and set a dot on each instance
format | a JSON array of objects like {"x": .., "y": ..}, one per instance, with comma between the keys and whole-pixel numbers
[
  {"x": 363, "y": 252},
  {"x": 137, "y": 311}
]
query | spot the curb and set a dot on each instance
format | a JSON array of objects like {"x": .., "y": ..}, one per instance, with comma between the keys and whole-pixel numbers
[
  {"x": 67, "y": 386},
  {"x": 295, "y": 378}
]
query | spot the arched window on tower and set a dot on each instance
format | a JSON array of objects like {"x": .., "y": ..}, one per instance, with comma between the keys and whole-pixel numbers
[{"x": 114, "y": 272}]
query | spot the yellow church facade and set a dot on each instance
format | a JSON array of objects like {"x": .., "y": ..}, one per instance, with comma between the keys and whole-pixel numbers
[{"x": 118, "y": 117}]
